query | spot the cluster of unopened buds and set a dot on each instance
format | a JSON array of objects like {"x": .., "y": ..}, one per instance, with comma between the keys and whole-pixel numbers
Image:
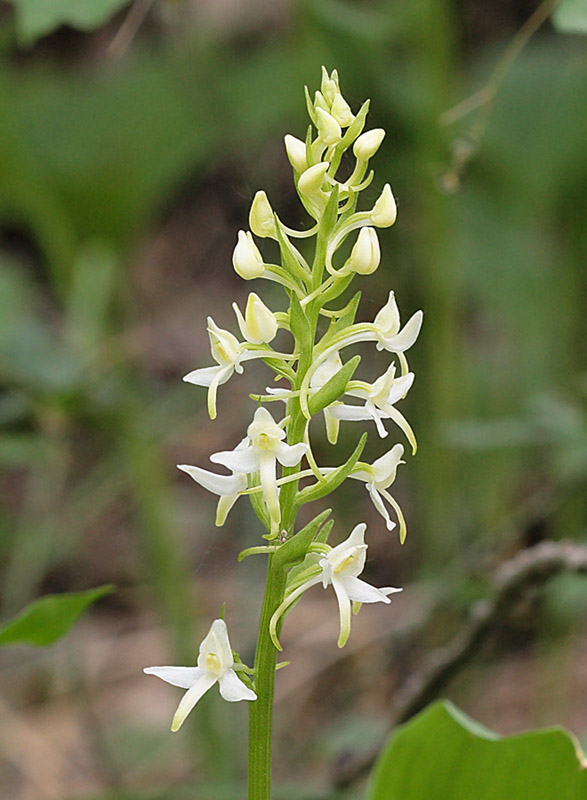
[{"x": 268, "y": 464}]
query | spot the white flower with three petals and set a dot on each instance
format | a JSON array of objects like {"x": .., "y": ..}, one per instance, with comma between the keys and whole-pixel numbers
[
  {"x": 339, "y": 568},
  {"x": 266, "y": 447},
  {"x": 215, "y": 665}
]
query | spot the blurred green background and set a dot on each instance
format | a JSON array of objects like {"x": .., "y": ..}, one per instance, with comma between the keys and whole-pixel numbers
[{"x": 128, "y": 161}]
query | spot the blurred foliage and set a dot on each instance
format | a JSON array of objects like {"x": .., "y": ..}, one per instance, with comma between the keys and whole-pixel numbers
[
  {"x": 47, "y": 619},
  {"x": 571, "y": 16},
  {"x": 101, "y": 156},
  {"x": 458, "y": 759},
  {"x": 37, "y": 18}
]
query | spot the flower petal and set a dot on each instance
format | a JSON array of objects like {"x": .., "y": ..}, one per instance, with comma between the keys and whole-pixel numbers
[
  {"x": 185, "y": 677},
  {"x": 244, "y": 460},
  {"x": 204, "y": 681},
  {"x": 233, "y": 689},
  {"x": 222, "y": 485},
  {"x": 344, "y": 609},
  {"x": 406, "y": 337},
  {"x": 362, "y": 592},
  {"x": 291, "y": 454},
  {"x": 380, "y": 507},
  {"x": 205, "y": 376}
]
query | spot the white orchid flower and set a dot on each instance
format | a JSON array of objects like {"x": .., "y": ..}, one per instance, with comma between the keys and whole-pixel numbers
[
  {"x": 378, "y": 477},
  {"x": 228, "y": 487},
  {"x": 215, "y": 665},
  {"x": 228, "y": 353},
  {"x": 340, "y": 568},
  {"x": 266, "y": 447},
  {"x": 380, "y": 398}
]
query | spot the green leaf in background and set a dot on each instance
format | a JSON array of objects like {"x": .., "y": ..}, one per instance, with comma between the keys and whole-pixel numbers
[
  {"x": 444, "y": 755},
  {"x": 571, "y": 16},
  {"x": 36, "y": 18},
  {"x": 49, "y": 618}
]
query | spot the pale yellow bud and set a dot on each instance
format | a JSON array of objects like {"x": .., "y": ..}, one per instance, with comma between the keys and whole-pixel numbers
[
  {"x": 259, "y": 325},
  {"x": 384, "y": 211},
  {"x": 310, "y": 182},
  {"x": 328, "y": 128},
  {"x": 328, "y": 87},
  {"x": 366, "y": 254},
  {"x": 261, "y": 219},
  {"x": 341, "y": 111},
  {"x": 296, "y": 153},
  {"x": 320, "y": 102},
  {"x": 368, "y": 144},
  {"x": 246, "y": 259}
]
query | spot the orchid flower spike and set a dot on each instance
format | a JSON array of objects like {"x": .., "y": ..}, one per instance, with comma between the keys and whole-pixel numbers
[
  {"x": 215, "y": 665},
  {"x": 378, "y": 477},
  {"x": 340, "y": 569},
  {"x": 266, "y": 447}
]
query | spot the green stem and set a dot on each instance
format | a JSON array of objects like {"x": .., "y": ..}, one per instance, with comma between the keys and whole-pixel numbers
[{"x": 261, "y": 710}]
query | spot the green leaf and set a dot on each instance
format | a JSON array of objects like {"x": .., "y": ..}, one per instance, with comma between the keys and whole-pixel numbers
[
  {"x": 49, "y": 618},
  {"x": 333, "y": 481},
  {"x": 571, "y": 16},
  {"x": 444, "y": 755},
  {"x": 300, "y": 324},
  {"x": 36, "y": 18},
  {"x": 334, "y": 387},
  {"x": 294, "y": 550}
]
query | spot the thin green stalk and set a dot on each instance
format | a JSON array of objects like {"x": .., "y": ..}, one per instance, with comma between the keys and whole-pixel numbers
[{"x": 261, "y": 711}]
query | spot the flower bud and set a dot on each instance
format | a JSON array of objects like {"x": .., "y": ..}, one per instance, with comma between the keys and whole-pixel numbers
[
  {"x": 320, "y": 102},
  {"x": 328, "y": 87},
  {"x": 328, "y": 128},
  {"x": 310, "y": 182},
  {"x": 341, "y": 111},
  {"x": 368, "y": 144},
  {"x": 296, "y": 153},
  {"x": 365, "y": 255},
  {"x": 384, "y": 211},
  {"x": 261, "y": 219},
  {"x": 259, "y": 325},
  {"x": 247, "y": 259}
]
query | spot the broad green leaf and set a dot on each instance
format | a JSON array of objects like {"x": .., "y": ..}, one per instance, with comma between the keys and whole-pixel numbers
[
  {"x": 571, "y": 16},
  {"x": 444, "y": 755},
  {"x": 47, "y": 619},
  {"x": 334, "y": 387},
  {"x": 36, "y": 18}
]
